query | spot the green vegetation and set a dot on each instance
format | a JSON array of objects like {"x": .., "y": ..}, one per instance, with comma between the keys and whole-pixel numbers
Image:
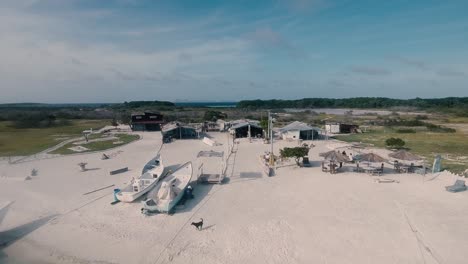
[
  {"x": 160, "y": 105},
  {"x": 212, "y": 115},
  {"x": 452, "y": 146},
  {"x": 264, "y": 125},
  {"x": 297, "y": 153},
  {"x": 38, "y": 120},
  {"x": 416, "y": 123},
  {"x": 27, "y": 141},
  {"x": 394, "y": 142},
  {"x": 405, "y": 130},
  {"x": 454, "y": 105},
  {"x": 122, "y": 139},
  {"x": 440, "y": 129}
]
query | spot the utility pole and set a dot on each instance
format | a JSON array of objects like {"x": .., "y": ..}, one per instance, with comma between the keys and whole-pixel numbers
[
  {"x": 268, "y": 129},
  {"x": 270, "y": 122}
]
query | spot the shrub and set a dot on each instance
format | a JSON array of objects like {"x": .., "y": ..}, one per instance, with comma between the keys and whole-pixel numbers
[
  {"x": 297, "y": 153},
  {"x": 212, "y": 115},
  {"x": 441, "y": 129},
  {"x": 114, "y": 122},
  {"x": 395, "y": 142},
  {"x": 405, "y": 131}
]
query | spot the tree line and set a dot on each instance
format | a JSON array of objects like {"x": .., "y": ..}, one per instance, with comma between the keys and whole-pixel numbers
[{"x": 456, "y": 105}]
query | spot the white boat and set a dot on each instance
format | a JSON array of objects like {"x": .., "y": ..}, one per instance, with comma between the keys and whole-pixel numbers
[
  {"x": 169, "y": 191},
  {"x": 155, "y": 166},
  {"x": 152, "y": 173}
]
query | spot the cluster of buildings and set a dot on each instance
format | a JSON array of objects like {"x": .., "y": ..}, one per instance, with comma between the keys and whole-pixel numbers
[{"x": 238, "y": 128}]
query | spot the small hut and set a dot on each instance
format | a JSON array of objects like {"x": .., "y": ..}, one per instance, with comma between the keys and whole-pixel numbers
[
  {"x": 246, "y": 129},
  {"x": 176, "y": 130},
  {"x": 341, "y": 128},
  {"x": 299, "y": 130}
]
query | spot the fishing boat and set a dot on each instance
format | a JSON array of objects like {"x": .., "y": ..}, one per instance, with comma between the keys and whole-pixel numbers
[
  {"x": 151, "y": 174},
  {"x": 168, "y": 192},
  {"x": 155, "y": 166}
]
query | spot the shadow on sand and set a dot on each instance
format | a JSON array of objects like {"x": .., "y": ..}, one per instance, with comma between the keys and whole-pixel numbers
[
  {"x": 91, "y": 169},
  {"x": 200, "y": 191},
  {"x": 315, "y": 163},
  {"x": 208, "y": 227},
  {"x": 4, "y": 211},
  {"x": 250, "y": 175},
  {"x": 9, "y": 237}
]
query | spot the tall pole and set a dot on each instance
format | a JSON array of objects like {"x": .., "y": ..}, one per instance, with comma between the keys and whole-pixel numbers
[
  {"x": 268, "y": 129},
  {"x": 272, "y": 158}
]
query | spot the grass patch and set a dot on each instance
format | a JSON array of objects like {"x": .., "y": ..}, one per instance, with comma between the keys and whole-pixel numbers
[
  {"x": 27, "y": 141},
  {"x": 423, "y": 143},
  {"x": 98, "y": 145},
  {"x": 405, "y": 131}
]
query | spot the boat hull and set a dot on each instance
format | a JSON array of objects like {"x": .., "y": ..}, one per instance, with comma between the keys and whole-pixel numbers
[
  {"x": 152, "y": 204},
  {"x": 128, "y": 197},
  {"x": 153, "y": 172}
]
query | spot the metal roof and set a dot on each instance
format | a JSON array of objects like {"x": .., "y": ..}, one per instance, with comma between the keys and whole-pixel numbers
[
  {"x": 243, "y": 124},
  {"x": 296, "y": 125},
  {"x": 175, "y": 125}
]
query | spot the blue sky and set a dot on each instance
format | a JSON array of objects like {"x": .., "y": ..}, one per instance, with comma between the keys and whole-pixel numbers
[{"x": 121, "y": 50}]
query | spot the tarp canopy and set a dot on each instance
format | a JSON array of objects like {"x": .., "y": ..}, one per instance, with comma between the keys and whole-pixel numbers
[
  {"x": 334, "y": 156},
  {"x": 243, "y": 124},
  {"x": 369, "y": 157}
]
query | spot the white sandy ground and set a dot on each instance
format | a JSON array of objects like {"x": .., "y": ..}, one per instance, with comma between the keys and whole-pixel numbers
[{"x": 301, "y": 215}]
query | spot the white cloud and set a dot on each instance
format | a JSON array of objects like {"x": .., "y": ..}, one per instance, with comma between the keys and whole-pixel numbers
[{"x": 37, "y": 60}]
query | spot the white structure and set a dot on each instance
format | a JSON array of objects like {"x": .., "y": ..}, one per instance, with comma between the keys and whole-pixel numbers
[
  {"x": 333, "y": 128},
  {"x": 298, "y": 130},
  {"x": 222, "y": 125}
]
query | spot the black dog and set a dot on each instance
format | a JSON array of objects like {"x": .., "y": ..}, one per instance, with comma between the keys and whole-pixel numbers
[{"x": 198, "y": 225}]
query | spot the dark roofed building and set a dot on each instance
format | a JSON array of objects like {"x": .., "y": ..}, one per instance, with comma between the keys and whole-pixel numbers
[
  {"x": 147, "y": 122},
  {"x": 246, "y": 128},
  {"x": 176, "y": 130}
]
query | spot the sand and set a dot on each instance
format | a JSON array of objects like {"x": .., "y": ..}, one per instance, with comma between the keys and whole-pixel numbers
[{"x": 300, "y": 215}]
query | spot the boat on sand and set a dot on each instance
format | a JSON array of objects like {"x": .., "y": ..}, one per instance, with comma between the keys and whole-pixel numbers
[
  {"x": 155, "y": 166},
  {"x": 152, "y": 173},
  {"x": 168, "y": 192}
]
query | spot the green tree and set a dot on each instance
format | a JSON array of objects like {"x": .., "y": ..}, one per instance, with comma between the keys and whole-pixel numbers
[
  {"x": 297, "y": 153},
  {"x": 114, "y": 122},
  {"x": 264, "y": 125},
  {"x": 213, "y": 115},
  {"x": 395, "y": 142},
  {"x": 125, "y": 118}
]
